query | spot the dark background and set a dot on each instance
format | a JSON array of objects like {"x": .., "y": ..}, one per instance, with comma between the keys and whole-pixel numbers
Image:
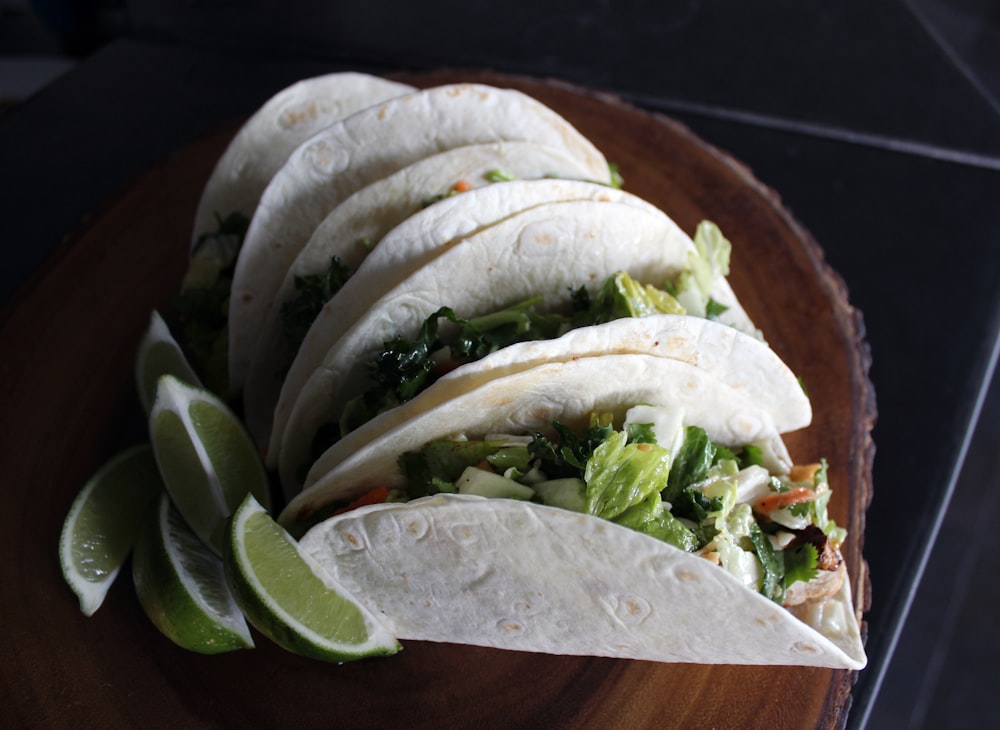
[{"x": 877, "y": 122}]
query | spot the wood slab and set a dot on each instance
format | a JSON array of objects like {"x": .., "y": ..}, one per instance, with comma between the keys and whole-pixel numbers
[{"x": 68, "y": 403}]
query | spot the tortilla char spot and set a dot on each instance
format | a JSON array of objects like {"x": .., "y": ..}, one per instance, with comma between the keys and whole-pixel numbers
[
  {"x": 632, "y": 609},
  {"x": 805, "y": 647},
  {"x": 382, "y": 113},
  {"x": 761, "y": 622},
  {"x": 545, "y": 238},
  {"x": 507, "y": 626},
  {"x": 417, "y": 528},
  {"x": 325, "y": 159},
  {"x": 296, "y": 116},
  {"x": 745, "y": 425},
  {"x": 687, "y": 576},
  {"x": 351, "y": 539},
  {"x": 464, "y": 534}
]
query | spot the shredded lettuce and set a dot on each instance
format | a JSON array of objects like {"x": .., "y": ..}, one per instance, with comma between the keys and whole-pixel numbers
[
  {"x": 653, "y": 518},
  {"x": 621, "y": 474},
  {"x": 626, "y": 476},
  {"x": 708, "y": 263}
]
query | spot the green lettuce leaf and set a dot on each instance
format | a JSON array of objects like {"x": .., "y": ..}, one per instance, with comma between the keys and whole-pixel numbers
[{"x": 621, "y": 474}]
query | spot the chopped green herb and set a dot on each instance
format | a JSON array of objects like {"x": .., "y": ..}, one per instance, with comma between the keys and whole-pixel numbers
[
  {"x": 312, "y": 292},
  {"x": 772, "y": 584},
  {"x": 800, "y": 563}
]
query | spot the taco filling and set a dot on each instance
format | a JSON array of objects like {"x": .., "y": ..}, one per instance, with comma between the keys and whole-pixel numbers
[
  {"x": 406, "y": 367},
  {"x": 655, "y": 475}
]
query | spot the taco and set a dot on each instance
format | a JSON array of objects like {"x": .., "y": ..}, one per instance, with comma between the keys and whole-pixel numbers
[
  {"x": 363, "y": 148},
  {"x": 618, "y": 505},
  {"x": 549, "y": 259},
  {"x": 265, "y": 141},
  {"x": 715, "y": 349},
  {"x": 354, "y": 229}
]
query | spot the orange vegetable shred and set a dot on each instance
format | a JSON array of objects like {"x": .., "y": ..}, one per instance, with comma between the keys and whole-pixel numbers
[{"x": 376, "y": 496}]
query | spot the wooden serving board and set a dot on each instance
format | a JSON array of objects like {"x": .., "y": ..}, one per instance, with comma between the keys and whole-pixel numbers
[{"x": 68, "y": 402}]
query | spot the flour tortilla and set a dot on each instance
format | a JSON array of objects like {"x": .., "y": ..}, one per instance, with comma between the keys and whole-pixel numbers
[
  {"x": 521, "y": 576},
  {"x": 357, "y": 225},
  {"x": 287, "y": 119},
  {"x": 406, "y": 249},
  {"x": 356, "y": 151},
  {"x": 743, "y": 364},
  {"x": 528, "y": 401},
  {"x": 544, "y": 251}
]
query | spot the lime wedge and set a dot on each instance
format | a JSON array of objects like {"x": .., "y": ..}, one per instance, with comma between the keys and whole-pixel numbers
[
  {"x": 291, "y": 599},
  {"x": 103, "y": 521},
  {"x": 206, "y": 457},
  {"x": 159, "y": 354},
  {"x": 182, "y": 587}
]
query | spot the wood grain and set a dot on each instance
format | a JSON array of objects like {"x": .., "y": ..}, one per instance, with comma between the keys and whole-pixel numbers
[{"x": 67, "y": 403}]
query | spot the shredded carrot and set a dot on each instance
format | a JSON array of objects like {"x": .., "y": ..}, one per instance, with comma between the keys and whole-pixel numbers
[
  {"x": 804, "y": 472},
  {"x": 376, "y": 496},
  {"x": 771, "y": 502},
  {"x": 462, "y": 186}
]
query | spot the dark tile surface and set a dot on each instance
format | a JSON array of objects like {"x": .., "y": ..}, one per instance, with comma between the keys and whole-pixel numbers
[{"x": 818, "y": 121}]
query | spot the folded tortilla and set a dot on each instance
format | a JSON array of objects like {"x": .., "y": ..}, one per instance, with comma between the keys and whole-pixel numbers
[
  {"x": 741, "y": 363},
  {"x": 265, "y": 141},
  {"x": 522, "y": 576},
  {"x": 529, "y": 400},
  {"x": 519, "y": 575},
  {"x": 356, "y": 151},
  {"x": 543, "y": 251},
  {"x": 355, "y": 228}
]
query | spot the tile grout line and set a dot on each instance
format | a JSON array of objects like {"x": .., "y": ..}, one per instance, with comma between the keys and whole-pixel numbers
[
  {"x": 949, "y": 51},
  {"x": 923, "y": 558},
  {"x": 964, "y": 574},
  {"x": 822, "y": 131}
]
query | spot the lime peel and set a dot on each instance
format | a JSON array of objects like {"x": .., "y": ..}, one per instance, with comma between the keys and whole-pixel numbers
[
  {"x": 103, "y": 522},
  {"x": 181, "y": 586},
  {"x": 291, "y": 599}
]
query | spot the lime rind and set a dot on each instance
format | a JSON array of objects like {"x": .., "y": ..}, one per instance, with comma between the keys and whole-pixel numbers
[
  {"x": 102, "y": 524},
  {"x": 159, "y": 354},
  {"x": 206, "y": 457},
  {"x": 182, "y": 588},
  {"x": 314, "y": 615}
]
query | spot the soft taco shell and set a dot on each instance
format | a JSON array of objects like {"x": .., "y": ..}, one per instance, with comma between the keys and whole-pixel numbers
[
  {"x": 530, "y": 400},
  {"x": 265, "y": 141},
  {"x": 517, "y": 575},
  {"x": 737, "y": 361}
]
